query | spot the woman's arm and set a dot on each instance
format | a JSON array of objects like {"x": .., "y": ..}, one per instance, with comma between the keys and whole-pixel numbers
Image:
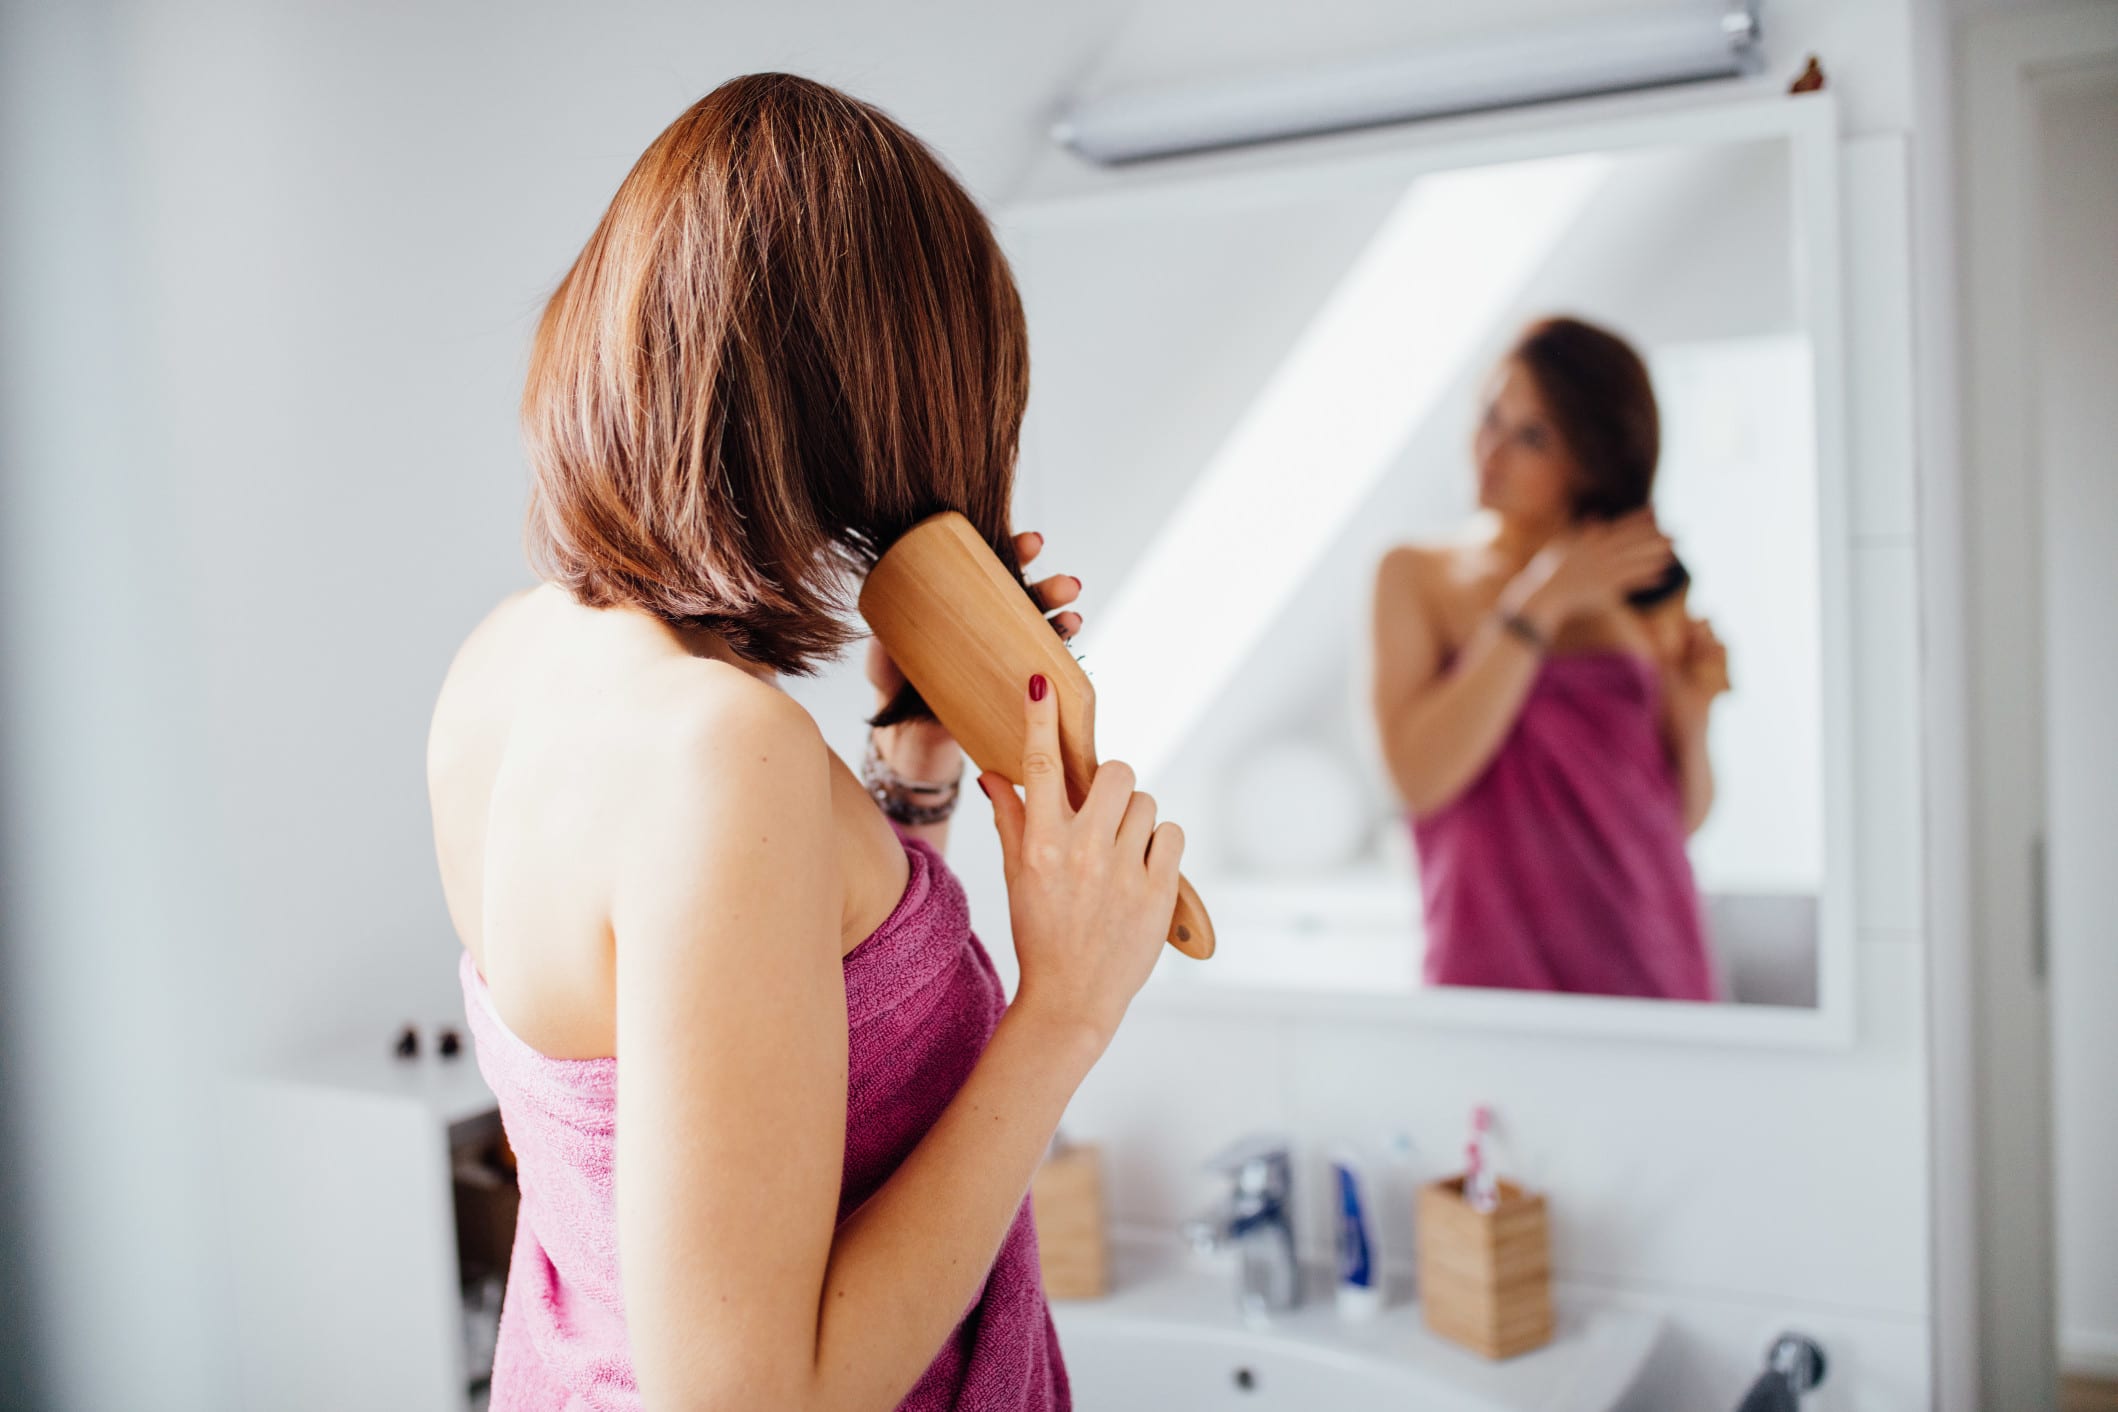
[
  {"x": 732, "y": 1109},
  {"x": 1694, "y": 672},
  {"x": 922, "y": 750},
  {"x": 1695, "y": 770},
  {"x": 1439, "y": 731}
]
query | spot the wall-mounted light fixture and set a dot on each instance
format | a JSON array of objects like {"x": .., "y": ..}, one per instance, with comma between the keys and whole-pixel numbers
[{"x": 1702, "y": 39}]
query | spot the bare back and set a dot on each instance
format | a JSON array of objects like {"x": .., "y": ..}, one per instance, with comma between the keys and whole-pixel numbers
[{"x": 544, "y": 737}]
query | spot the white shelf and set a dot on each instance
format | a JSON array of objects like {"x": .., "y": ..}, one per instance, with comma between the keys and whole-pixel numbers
[
  {"x": 450, "y": 1089},
  {"x": 348, "y": 1294}
]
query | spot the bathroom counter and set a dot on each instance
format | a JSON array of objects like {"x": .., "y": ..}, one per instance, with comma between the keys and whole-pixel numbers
[{"x": 1170, "y": 1338}]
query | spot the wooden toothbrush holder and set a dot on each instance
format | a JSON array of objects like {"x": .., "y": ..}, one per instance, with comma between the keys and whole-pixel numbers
[
  {"x": 1073, "y": 1239},
  {"x": 1485, "y": 1277}
]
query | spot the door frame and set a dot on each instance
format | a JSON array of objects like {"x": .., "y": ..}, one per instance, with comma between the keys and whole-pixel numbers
[{"x": 1996, "y": 1337}]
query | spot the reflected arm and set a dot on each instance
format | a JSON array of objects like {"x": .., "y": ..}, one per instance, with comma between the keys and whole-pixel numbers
[
  {"x": 1695, "y": 770},
  {"x": 1439, "y": 730},
  {"x": 1684, "y": 711}
]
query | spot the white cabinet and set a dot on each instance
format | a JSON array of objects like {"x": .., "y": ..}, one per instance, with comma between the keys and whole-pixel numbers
[{"x": 348, "y": 1292}]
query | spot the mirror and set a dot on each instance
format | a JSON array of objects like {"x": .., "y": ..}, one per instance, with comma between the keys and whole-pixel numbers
[{"x": 1343, "y": 447}]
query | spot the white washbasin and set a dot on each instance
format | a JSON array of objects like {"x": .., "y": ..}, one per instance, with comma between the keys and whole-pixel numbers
[{"x": 1170, "y": 1339}]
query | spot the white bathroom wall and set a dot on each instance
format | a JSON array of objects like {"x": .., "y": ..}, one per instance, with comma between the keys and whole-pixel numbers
[
  {"x": 108, "y": 896},
  {"x": 268, "y": 278},
  {"x": 2077, "y": 360}
]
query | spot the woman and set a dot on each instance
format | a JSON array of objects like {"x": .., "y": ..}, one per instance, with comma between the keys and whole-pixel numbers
[
  {"x": 1542, "y": 695},
  {"x": 791, "y": 336}
]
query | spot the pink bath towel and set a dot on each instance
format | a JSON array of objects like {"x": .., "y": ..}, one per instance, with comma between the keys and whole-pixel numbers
[
  {"x": 922, "y": 999},
  {"x": 1563, "y": 865}
]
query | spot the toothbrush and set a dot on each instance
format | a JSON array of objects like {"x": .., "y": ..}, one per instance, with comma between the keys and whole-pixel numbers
[{"x": 1479, "y": 1187}]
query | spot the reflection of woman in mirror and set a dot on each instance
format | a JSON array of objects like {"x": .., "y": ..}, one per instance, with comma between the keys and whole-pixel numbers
[{"x": 1542, "y": 694}]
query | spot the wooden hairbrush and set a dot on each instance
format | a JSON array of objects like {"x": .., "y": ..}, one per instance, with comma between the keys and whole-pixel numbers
[{"x": 967, "y": 635}]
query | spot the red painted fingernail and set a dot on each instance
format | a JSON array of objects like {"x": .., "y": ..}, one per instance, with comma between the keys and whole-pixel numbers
[{"x": 1037, "y": 687}]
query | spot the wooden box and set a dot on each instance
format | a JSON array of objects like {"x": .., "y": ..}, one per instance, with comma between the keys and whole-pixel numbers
[
  {"x": 1485, "y": 1277},
  {"x": 1066, "y": 1200}
]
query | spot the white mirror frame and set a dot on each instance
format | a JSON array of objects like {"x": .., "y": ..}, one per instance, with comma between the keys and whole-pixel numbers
[{"x": 1065, "y": 193}]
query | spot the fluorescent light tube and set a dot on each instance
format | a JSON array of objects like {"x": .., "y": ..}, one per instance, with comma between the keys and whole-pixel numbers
[{"x": 1701, "y": 40}]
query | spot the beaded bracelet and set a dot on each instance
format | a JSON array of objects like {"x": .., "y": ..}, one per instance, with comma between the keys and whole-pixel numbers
[
  {"x": 889, "y": 790},
  {"x": 1523, "y": 628}
]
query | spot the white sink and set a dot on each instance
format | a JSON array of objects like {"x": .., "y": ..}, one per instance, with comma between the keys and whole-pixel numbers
[{"x": 1170, "y": 1339}]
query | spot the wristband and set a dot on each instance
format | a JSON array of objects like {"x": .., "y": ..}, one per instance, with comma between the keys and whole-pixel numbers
[
  {"x": 890, "y": 790},
  {"x": 1523, "y": 628}
]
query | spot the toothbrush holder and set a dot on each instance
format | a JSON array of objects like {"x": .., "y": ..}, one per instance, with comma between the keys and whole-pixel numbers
[
  {"x": 1485, "y": 1277},
  {"x": 1073, "y": 1241}
]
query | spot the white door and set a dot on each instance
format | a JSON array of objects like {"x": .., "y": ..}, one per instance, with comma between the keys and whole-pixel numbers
[{"x": 2077, "y": 432}]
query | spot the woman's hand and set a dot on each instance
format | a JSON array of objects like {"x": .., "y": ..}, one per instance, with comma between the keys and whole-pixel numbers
[
  {"x": 1587, "y": 569},
  {"x": 1700, "y": 673},
  {"x": 1090, "y": 892}
]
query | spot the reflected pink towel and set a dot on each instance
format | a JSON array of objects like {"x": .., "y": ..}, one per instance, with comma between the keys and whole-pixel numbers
[
  {"x": 1562, "y": 866},
  {"x": 922, "y": 1000}
]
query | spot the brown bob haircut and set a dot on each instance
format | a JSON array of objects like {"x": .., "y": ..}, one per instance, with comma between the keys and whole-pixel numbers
[
  {"x": 791, "y": 337},
  {"x": 1596, "y": 390}
]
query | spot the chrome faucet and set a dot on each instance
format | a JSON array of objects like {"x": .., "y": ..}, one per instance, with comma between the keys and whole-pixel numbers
[{"x": 1256, "y": 1219}]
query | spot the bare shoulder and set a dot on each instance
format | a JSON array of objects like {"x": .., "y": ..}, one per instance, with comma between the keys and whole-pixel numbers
[
  {"x": 481, "y": 647},
  {"x": 468, "y": 699},
  {"x": 489, "y": 631},
  {"x": 1429, "y": 565},
  {"x": 710, "y": 713},
  {"x": 709, "y": 747},
  {"x": 1408, "y": 560},
  {"x": 1402, "y": 576},
  {"x": 1417, "y": 581},
  {"x": 727, "y": 794}
]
